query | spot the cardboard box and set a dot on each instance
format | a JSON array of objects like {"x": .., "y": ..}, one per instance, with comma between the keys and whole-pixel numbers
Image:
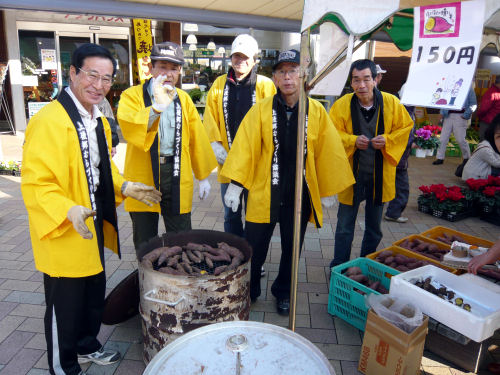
[{"x": 389, "y": 350}]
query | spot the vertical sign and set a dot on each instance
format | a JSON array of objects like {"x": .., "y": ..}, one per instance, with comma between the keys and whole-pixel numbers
[
  {"x": 143, "y": 46},
  {"x": 446, "y": 47}
]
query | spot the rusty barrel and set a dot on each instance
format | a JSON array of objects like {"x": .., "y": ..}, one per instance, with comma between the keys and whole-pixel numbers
[{"x": 171, "y": 305}]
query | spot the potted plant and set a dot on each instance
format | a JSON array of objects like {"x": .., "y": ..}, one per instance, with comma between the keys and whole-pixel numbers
[
  {"x": 486, "y": 192},
  {"x": 452, "y": 202},
  {"x": 425, "y": 141}
]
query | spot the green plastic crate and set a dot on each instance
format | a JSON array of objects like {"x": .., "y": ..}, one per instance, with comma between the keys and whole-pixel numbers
[
  {"x": 453, "y": 151},
  {"x": 344, "y": 301}
]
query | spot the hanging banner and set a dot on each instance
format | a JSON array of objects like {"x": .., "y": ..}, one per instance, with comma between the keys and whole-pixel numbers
[
  {"x": 143, "y": 46},
  {"x": 446, "y": 41}
]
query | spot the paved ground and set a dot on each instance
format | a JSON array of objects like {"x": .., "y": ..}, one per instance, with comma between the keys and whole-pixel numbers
[{"x": 22, "y": 343}]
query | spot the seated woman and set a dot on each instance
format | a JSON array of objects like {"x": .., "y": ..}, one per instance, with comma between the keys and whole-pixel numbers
[{"x": 486, "y": 158}]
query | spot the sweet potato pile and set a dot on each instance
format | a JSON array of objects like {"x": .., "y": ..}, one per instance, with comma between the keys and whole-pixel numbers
[
  {"x": 356, "y": 274},
  {"x": 449, "y": 238},
  {"x": 399, "y": 261},
  {"x": 424, "y": 248},
  {"x": 194, "y": 259}
]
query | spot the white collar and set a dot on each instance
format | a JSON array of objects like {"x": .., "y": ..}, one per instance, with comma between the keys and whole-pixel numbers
[{"x": 81, "y": 109}]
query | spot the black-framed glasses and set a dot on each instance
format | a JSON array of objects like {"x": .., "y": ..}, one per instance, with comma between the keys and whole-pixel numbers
[{"x": 94, "y": 77}]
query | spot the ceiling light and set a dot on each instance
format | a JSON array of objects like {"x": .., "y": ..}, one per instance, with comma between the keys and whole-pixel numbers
[
  {"x": 221, "y": 50},
  {"x": 191, "y": 39},
  {"x": 211, "y": 46},
  {"x": 192, "y": 47}
]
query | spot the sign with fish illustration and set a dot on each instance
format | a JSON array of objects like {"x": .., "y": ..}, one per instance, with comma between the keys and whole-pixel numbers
[{"x": 446, "y": 47}]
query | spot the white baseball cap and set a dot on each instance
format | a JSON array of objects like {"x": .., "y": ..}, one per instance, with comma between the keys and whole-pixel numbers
[
  {"x": 245, "y": 44},
  {"x": 380, "y": 70}
]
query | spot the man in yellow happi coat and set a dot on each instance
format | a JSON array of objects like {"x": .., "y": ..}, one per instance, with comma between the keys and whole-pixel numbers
[
  {"x": 228, "y": 101},
  {"x": 70, "y": 187},
  {"x": 262, "y": 160},
  {"x": 374, "y": 127},
  {"x": 166, "y": 145}
]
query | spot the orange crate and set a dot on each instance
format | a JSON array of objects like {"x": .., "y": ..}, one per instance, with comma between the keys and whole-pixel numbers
[
  {"x": 411, "y": 254},
  {"x": 438, "y": 231}
]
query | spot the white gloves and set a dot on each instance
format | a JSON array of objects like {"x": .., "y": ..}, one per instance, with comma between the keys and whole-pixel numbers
[
  {"x": 77, "y": 215},
  {"x": 329, "y": 201},
  {"x": 144, "y": 193},
  {"x": 204, "y": 188},
  {"x": 220, "y": 152},
  {"x": 232, "y": 196},
  {"x": 163, "y": 94}
]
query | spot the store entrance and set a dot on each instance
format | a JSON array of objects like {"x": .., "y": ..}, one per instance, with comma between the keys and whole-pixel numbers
[{"x": 46, "y": 59}]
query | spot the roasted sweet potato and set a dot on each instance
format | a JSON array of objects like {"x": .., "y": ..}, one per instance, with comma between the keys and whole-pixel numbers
[
  {"x": 360, "y": 278},
  {"x": 389, "y": 260},
  {"x": 353, "y": 271}
]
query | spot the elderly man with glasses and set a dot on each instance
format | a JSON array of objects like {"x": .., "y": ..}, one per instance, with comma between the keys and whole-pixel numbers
[
  {"x": 166, "y": 145},
  {"x": 262, "y": 160},
  {"x": 70, "y": 188}
]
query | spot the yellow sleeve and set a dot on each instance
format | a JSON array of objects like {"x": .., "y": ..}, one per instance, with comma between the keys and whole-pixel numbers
[
  {"x": 242, "y": 159},
  {"x": 202, "y": 156},
  {"x": 211, "y": 116},
  {"x": 341, "y": 118},
  {"x": 268, "y": 88},
  {"x": 397, "y": 139},
  {"x": 44, "y": 174},
  {"x": 133, "y": 118},
  {"x": 333, "y": 169}
]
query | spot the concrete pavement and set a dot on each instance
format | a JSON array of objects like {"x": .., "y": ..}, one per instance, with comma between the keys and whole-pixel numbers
[{"x": 22, "y": 342}]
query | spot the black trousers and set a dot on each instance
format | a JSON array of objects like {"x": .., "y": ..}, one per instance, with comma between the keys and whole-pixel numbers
[
  {"x": 73, "y": 314},
  {"x": 145, "y": 224},
  {"x": 259, "y": 236}
]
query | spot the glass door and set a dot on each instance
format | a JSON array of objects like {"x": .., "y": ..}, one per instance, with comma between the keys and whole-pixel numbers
[
  {"x": 118, "y": 45},
  {"x": 67, "y": 45}
]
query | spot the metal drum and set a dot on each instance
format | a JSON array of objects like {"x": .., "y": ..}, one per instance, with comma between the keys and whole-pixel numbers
[
  {"x": 240, "y": 348},
  {"x": 171, "y": 305}
]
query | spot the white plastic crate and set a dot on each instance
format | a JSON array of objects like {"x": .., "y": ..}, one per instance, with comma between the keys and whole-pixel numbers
[{"x": 478, "y": 324}]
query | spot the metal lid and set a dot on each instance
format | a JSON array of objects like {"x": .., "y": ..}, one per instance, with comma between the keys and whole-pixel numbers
[{"x": 258, "y": 348}]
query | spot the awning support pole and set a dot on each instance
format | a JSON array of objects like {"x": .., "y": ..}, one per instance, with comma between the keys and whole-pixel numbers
[{"x": 305, "y": 60}]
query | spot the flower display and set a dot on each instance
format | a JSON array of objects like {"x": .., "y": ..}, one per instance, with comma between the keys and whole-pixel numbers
[
  {"x": 486, "y": 190},
  {"x": 425, "y": 139},
  {"x": 445, "y": 198}
]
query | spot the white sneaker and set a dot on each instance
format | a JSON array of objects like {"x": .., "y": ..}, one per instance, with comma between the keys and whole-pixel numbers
[
  {"x": 100, "y": 357},
  {"x": 400, "y": 219}
]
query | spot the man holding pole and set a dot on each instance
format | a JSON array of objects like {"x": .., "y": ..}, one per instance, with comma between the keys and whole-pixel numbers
[{"x": 263, "y": 159}]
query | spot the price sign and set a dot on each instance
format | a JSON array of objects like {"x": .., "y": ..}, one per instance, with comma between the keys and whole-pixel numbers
[{"x": 446, "y": 42}]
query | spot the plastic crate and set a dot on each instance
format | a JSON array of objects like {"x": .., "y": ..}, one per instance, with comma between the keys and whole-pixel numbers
[
  {"x": 438, "y": 231},
  {"x": 344, "y": 301},
  {"x": 411, "y": 254},
  {"x": 453, "y": 151},
  {"x": 478, "y": 324}
]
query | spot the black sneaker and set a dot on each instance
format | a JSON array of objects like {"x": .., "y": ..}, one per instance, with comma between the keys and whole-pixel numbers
[
  {"x": 283, "y": 306},
  {"x": 438, "y": 162},
  {"x": 100, "y": 357}
]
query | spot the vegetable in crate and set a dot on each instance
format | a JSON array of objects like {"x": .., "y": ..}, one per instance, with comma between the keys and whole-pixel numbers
[{"x": 442, "y": 292}]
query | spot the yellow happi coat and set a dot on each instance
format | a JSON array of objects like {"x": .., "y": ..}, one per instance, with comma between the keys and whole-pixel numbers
[
  {"x": 397, "y": 127},
  {"x": 327, "y": 170},
  {"x": 213, "y": 118},
  {"x": 54, "y": 180},
  {"x": 196, "y": 154}
]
